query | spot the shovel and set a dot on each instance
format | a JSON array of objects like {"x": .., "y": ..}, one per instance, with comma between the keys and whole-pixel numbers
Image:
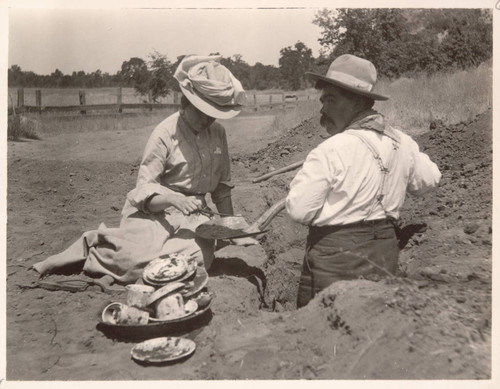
[{"x": 232, "y": 227}]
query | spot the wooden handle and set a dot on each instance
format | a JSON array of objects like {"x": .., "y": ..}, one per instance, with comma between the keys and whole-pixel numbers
[
  {"x": 262, "y": 222},
  {"x": 292, "y": 166}
]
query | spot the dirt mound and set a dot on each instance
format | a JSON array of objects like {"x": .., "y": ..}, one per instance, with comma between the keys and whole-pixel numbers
[
  {"x": 463, "y": 152},
  {"x": 444, "y": 261}
]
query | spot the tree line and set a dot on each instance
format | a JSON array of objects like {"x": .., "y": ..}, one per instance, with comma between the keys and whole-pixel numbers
[{"x": 400, "y": 42}]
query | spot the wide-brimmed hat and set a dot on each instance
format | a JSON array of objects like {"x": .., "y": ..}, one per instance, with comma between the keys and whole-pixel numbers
[
  {"x": 355, "y": 74},
  {"x": 210, "y": 86}
]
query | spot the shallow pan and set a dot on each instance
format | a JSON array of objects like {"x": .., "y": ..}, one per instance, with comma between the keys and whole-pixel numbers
[{"x": 135, "y": 332}]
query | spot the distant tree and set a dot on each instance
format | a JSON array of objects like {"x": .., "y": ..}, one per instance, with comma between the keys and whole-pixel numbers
[
  {"x": 15, "y": 75},
  {"x": 134, "y": 72},
  {"x": 56, "y": 77},
  {"x": 239, "y": 68},
  {"x": 97, "y": 79},
  {"x": 400, "y": 41},
  {"x": 293, "y": 64},
  {"x": 468, "y": 40},
  {"x": 378, "y": 35},
  {"x": 160, "y": 75},
  {"x": 264, "y": 77}
]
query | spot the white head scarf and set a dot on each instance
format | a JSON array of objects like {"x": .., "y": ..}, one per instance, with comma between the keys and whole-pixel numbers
[{"x": 206, "y": 76}]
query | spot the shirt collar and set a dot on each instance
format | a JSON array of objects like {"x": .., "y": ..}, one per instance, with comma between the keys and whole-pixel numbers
[{"x": 368, "y": 120}]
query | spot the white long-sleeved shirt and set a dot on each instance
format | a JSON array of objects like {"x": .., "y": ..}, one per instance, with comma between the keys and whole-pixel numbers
[{"x": 340, "y": 179}]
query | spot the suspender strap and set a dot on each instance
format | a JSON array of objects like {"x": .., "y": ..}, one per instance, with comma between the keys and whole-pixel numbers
[{"x": 384, "y": 168}]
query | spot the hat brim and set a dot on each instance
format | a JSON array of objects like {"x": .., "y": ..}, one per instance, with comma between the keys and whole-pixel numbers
[
  {"x": 209, "y": 108},
  {"x": 315, "y": 77}
]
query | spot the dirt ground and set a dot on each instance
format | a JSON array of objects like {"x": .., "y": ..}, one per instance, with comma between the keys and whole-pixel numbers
[{"x": 433, "y": 321}]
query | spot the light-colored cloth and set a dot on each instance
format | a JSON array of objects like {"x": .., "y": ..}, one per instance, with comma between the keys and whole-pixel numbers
[
  {"x": 211, "y": 79},
  {"x": 174, "y": 159},
  {"x": 340, "y": 178}
]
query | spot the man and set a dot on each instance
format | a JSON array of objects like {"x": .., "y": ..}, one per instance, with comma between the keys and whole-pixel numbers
[{"x": 352, "y": 186}]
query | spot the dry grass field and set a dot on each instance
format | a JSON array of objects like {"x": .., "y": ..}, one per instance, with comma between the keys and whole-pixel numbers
[{"x": 451, "y": 98}]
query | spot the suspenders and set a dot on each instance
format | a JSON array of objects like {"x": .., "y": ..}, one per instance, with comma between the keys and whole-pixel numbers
[{"x": 384, "y": 168}]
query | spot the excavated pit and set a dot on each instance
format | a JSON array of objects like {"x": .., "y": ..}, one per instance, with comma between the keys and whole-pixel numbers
[{"x": 462, "y": 152}]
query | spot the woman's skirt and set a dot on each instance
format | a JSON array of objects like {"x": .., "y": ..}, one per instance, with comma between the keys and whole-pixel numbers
[{"x": 123, "y": 252}]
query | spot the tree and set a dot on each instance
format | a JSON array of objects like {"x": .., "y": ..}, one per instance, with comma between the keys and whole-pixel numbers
[
  {"x": 264, "y": 77},
  {"x": 15, "y": 75},
  {"x": 160, "y": 75},
  {"x": 239, "y": 68},
  {"x": 134, "y": 72},
  {"x": 56, "y": 77},
  {"x": 468, "y": 41},
  {"x": 400, "y": 41},
  {"x": 294, "y": 63}
]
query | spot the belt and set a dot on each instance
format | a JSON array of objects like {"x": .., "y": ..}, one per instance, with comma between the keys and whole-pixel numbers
[{"x": 361, "y": 223}]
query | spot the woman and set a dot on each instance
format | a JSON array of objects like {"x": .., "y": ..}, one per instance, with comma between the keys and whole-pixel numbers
[{"x": 185, "y": 158}]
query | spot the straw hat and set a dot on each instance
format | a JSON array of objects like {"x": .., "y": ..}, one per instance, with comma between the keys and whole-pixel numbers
[
  {"x": 355, "y": 74},
  {"x": 210, "y": 86}
]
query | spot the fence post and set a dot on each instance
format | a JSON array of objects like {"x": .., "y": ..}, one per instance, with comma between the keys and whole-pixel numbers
[
  {"x": 255, "y": 101},
  {"x": 270, "y": 101},
  {"x": 176, "y": 97},
  {"x": 20, "y": 97},
  {"x": 119, "y": 99},
  {"x": 81, "y": 95},
  {"x": 150, "y": 100},
  {"x": 39, "y": 100}
]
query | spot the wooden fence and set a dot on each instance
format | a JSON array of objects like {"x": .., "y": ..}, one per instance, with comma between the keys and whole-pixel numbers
[{"x": 254, "y": 103}]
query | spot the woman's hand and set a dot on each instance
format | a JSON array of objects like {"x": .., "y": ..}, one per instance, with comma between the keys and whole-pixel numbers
[
  {"x": 247, "y": 241},
  {"x": 185, "y": 204}
]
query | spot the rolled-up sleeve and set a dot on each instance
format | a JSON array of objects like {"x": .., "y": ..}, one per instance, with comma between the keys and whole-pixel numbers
[
  {"x": 148, "y": 178},
  {"x": 424, "y": 175},
  {"x": 309, "y": 188}
]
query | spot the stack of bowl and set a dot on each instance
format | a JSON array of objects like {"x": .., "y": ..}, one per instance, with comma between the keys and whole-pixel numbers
[{"x": 173, "y": 289}]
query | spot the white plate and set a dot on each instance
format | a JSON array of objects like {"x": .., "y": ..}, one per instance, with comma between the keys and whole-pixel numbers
[
  {"x": 165, "y": 269},
  {"x": 198, "y": 283},
  {"x": 163, "y": 349},
  {"x": 189, "y": 308},
  {"x": 192, "y": 266},
  {"x": 165, "y": 290}
]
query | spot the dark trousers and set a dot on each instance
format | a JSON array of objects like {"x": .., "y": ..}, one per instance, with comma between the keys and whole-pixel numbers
[{"x": 335, "y": 253}]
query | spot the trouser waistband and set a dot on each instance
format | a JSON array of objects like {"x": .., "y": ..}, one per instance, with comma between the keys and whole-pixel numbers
[{"x": 361, "y": 223}]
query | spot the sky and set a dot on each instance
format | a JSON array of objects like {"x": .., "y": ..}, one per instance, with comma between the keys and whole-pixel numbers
[{"x": 41, "y": 40}]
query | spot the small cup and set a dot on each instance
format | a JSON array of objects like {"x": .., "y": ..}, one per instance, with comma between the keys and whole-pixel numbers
[
  {"x": 118, "y": 313},
  {"x": 203, "y": 299},
  {"x": 138, "y": 295},
  {"x": 169, "y": 307}
]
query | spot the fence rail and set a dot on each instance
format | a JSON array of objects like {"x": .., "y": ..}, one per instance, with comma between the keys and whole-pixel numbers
[{"x": 275, "y": 100}]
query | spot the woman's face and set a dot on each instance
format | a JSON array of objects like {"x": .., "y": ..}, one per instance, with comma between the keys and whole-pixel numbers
[{"x": 197, "y": 119}]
